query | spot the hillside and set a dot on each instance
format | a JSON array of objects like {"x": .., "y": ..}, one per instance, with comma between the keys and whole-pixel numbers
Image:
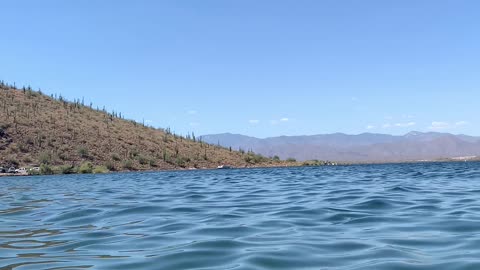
[
  {"x": 367, "y": 147},
  {"x": 37, "y": 129}
]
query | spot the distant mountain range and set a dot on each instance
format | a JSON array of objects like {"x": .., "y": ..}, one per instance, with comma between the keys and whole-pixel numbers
[{"x": 366, "y": 147}]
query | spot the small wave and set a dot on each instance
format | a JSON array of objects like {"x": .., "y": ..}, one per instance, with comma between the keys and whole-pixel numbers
[{"x": 403, "y": 216}]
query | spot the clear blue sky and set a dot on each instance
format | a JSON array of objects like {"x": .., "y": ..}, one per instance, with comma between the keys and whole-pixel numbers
[{"x": 261, "y": 68}]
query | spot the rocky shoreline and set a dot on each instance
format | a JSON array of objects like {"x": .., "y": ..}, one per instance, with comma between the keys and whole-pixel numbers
[{"x": 13, "y": 174}]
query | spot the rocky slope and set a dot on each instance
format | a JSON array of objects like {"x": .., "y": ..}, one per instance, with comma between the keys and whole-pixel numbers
[{"x": 37, "y": 129}]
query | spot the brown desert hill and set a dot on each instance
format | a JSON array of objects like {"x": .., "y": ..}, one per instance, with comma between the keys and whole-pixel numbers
[{"x": 38, "y": 129}]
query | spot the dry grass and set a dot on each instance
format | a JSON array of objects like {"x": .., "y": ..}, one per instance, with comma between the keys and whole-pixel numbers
[{"x": 37, "y": 129}]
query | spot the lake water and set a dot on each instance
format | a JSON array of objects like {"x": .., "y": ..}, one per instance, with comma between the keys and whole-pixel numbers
[{"x": 407, "y": 216}]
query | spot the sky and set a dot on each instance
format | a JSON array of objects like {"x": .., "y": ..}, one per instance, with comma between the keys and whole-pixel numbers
[{"x": 255, "y": 67}]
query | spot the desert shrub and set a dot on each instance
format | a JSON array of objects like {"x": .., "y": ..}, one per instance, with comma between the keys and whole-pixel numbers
[
  {"x": 166, "y": 156},
  {"x": 142, "y": 160},
  {"x": 86, "y": 167},
  {"x": 276, "y": 158},
  {"x": 254, "y": 158},
  {"x": 291, "y": 160},
  {"x": 12, "y": 162},
  {"x": 46, "y": 169},
  {"x": 110, "y": 166},
  {"x": 67, "y": 169},
  {"x": 3, "y": 129},
  {"x": 29, "y": 141},
  {"x": 83, "y": 152},
  {"x": 51, "y": 142},
  {"x": 30, "y": 93},
  {"x": 152, "y": 162},
  {"x": 128, "y": 165},
  {"x": 27, "y": 160},
  {"x": 22, "y": 147},
  {"x": 260, "y": 158},
  {"x": 63, "y": 156},
  {"x": 116, "y": 157},
  {"x": 32, "y": 172},
  {"x": 45, "y": 158},
  {"x": 180, "y": 161},
  {"x": 134, "y": 153},
  {"x": 312, "y": 163},
  {"x": 100, "y": 169},
  {"x": 13, "y": 148}
]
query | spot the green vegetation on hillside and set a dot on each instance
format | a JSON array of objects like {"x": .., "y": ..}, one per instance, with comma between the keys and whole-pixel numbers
[{"x": 61, "y": 136}]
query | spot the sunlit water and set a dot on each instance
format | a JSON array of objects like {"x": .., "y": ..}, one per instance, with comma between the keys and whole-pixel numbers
[{"x": 410, "y": 216}]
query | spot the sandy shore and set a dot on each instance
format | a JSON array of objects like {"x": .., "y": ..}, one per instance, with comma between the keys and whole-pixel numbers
[{"x": 13, "y": 174}]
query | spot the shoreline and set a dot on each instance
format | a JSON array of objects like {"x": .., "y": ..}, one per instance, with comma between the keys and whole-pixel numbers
[
  {"x": 170, "y": 170},
  {"x": 251, "y": 167},
  {"x": 14, "y": 174}
]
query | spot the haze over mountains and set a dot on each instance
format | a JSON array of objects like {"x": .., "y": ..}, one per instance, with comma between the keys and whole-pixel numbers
[{"x": 366, "y": 147}]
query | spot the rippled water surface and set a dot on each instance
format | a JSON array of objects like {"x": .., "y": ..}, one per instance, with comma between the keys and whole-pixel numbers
[{"x": 408, "y": 216}]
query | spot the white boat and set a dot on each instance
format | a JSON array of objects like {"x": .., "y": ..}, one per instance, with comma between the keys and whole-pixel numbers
[{"x": 223, "y": 167}]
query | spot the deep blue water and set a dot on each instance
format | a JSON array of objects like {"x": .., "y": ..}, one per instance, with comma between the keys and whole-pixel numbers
[{"x": 406, "y": 216}]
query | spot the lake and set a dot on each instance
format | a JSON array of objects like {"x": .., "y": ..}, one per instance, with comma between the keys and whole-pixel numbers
[{"x": 403, "y": 216}]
